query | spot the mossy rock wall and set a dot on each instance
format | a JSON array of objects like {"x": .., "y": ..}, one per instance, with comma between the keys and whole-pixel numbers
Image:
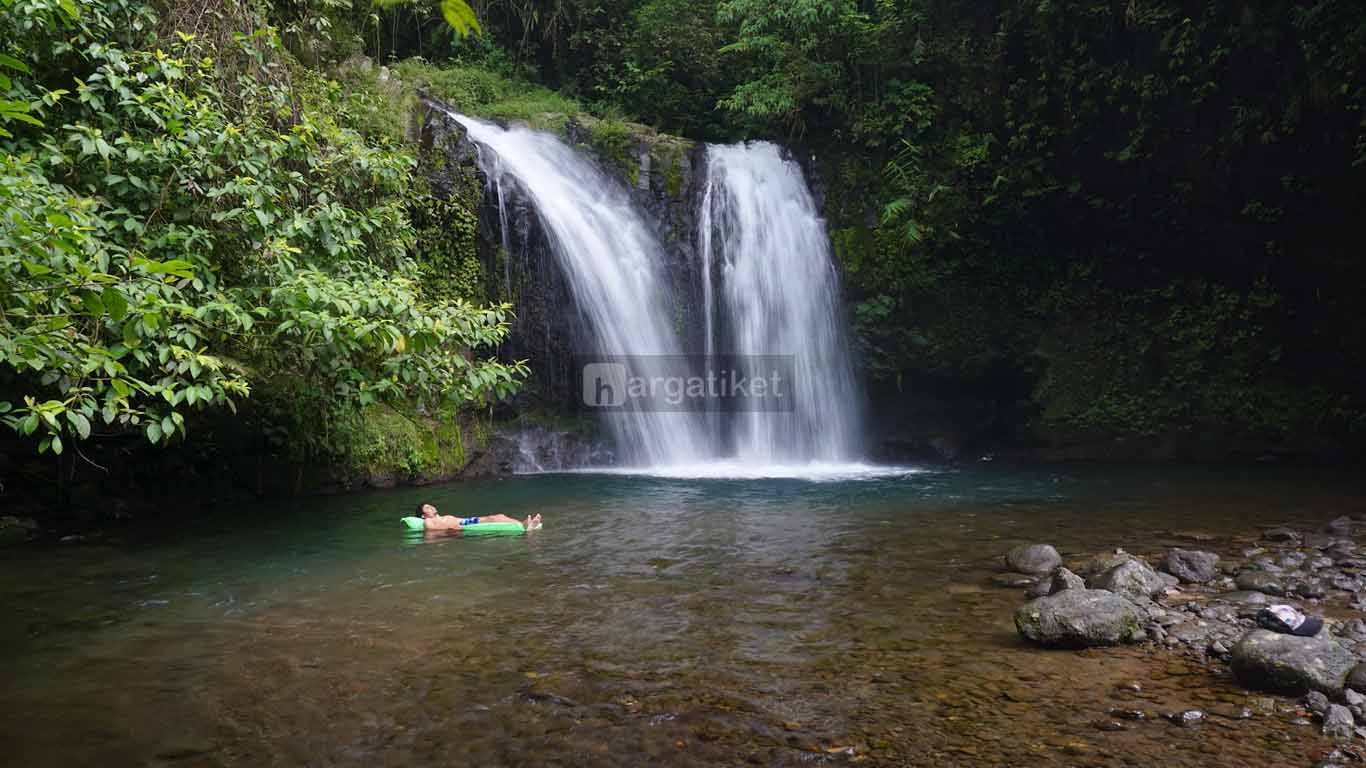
[
  {"x": 387, "y": 447},
  {"x": 660, "y": 173}
]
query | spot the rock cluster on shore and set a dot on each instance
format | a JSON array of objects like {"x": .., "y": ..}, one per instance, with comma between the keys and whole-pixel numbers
[{"x": 1205, "y": 605}]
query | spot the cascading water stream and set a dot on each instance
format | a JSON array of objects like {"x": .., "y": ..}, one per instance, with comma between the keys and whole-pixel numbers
[
  {"x": 768, "y": 284},
  {"x": 612, "y": 262},
  {"x": 779, "y": 296}
]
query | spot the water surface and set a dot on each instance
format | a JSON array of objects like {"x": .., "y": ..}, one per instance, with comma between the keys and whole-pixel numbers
[{"x": 681, "y": 621}]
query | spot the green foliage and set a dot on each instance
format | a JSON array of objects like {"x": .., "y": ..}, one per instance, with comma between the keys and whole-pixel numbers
[
  {"x": 382, "y": 442},
  {"x": 171, "y": 248},
  {"x": 797, "y": 53},
  {"x": 485, "y": 93},
  {"x": 461, "y": 17},
  {"x": 613, "y": 141},
  {"x": 445, "y": 249}
]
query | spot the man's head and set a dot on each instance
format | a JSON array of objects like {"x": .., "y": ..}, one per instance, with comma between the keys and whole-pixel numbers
[{"x": 425, "y": 510}]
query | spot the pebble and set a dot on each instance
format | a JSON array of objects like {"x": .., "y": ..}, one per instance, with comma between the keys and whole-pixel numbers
[
  {"x": 1187, "y": 717},
  {"x": 1280, "y": 534},
  {"x": 1013, "y": 580}
]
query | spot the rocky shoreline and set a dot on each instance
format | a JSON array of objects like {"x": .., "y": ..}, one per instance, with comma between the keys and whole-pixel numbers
[{"x": 1204, "y": 605}]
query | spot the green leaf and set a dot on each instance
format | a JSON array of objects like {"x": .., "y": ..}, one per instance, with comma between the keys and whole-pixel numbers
[
  {"x": 115, "y": 303},
  {"x": 57, "y": 444},
  {"x": 153, "y": 432},
  {"x": 71, "y": 8},
  {"x": 36, "y": 270},
  {"x": 461, "y": 17},
  {"x": 80, "y": 422},
  {"x": 7, "y": 60},
  {"x": 92, "y": 303}
]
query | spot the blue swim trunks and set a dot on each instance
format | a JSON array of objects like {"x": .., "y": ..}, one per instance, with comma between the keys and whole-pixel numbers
[{"x": 469, "y": 521}]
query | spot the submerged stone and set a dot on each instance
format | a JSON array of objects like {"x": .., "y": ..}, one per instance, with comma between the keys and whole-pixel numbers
[
  {"x": 1245, "y": 596},
  {"x": 1281, "y": 534},
  {"x": 1260, "y": 581}
]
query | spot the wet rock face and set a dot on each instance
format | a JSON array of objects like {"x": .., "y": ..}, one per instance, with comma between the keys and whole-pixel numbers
[
  {"x": 518, "y": 258},
  {"x": 546, "y": 329},
  {"x": 549, "y": 450},
  {"x": 1062, "y": 579},
  {"x": 1080, "y": 618},
  {"x": 1294, "y": 665},
  {"x": 1191, "y": 566},
  {"x": 1133, "y": 579},
  {"x": 1033, "y": 558}
]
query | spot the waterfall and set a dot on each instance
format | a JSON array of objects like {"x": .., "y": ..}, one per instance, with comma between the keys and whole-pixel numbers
[
  {"x": 612, "y": 262},
  {"x": 779, "y": 296},
  {"x": 769, "y": 288}
]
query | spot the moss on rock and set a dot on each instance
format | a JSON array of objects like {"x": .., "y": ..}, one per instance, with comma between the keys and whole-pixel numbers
[{"x": 385, "y": 447}]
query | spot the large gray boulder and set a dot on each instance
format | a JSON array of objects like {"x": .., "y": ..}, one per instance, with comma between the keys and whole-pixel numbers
[
  {"x": 1081, "y": 618},
  {"x": 1133, "y": 579},
  {"x": 1191, "y": 566},
  {"x": 1033, "y": 558},
  {"x": 1289, "y": 664}
]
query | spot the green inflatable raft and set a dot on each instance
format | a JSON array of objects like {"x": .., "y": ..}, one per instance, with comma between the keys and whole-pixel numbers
[{"x": 415, "y": 525}]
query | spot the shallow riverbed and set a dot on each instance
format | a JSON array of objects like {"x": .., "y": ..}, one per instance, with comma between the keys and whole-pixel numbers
[{"x": 657, "y": 620}]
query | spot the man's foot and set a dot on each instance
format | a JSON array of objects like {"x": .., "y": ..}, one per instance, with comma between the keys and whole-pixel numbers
[{"x": 533, "y": 522}]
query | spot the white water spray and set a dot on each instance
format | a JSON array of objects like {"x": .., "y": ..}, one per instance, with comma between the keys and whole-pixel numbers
[
  {"x": 612, "y": 262},
  {"x": 779, "y": 296}
]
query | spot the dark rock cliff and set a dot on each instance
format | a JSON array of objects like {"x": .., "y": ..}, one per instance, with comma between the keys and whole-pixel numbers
[{"x": 662, "y": 174}]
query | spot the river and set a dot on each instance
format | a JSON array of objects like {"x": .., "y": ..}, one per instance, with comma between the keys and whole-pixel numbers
[{"x": 657, "y": 620}]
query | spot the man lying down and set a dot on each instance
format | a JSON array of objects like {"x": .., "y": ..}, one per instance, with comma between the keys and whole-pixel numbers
[{"x": 435, "y": 521}]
